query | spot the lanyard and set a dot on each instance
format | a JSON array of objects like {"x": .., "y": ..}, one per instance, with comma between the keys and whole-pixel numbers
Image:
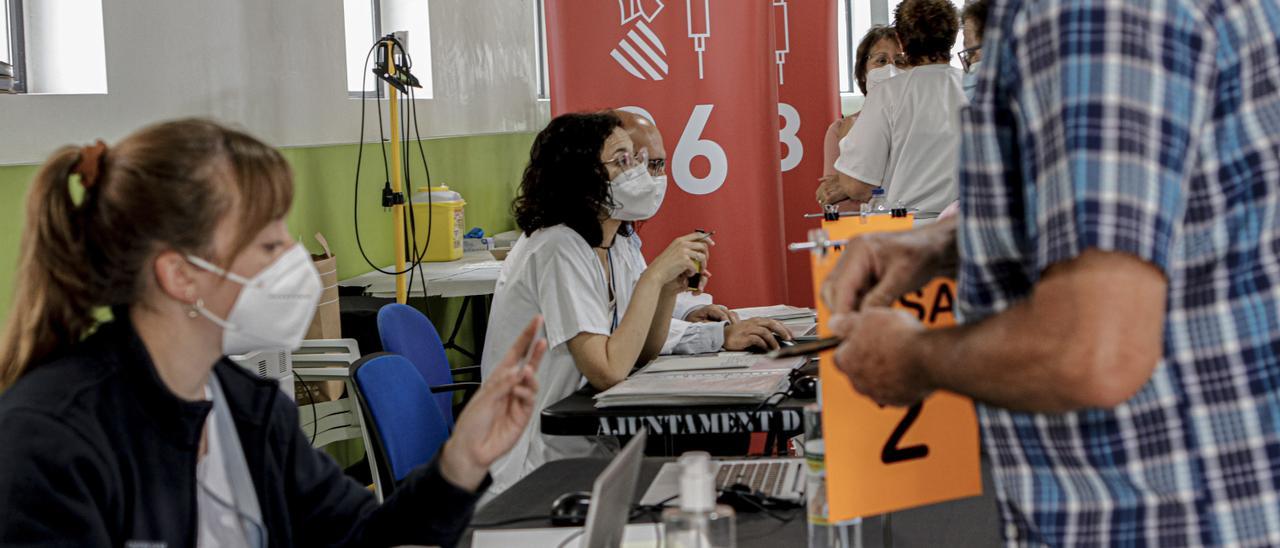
[{"x": 613, "y": 291}]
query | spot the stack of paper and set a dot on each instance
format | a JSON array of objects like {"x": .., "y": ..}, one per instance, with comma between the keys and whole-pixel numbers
[
  {"x": 696, "y": 388},
  {"x": 702, "y": 362},
  {"x": 777, "y": 312}
]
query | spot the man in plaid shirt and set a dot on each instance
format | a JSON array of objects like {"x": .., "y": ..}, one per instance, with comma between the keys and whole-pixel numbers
[{"x": 1118, "y": 255}]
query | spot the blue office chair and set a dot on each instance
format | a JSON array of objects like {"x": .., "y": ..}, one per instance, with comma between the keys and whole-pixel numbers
[
  {"x": 408, "y": 429},
  {"x": 406, "y": 331}
]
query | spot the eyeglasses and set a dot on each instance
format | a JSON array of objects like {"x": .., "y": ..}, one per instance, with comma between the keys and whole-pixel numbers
[
  {"x": 657, "y": 166},
  {"x": 626, "y": 161},
  {"x": 966, "y": 56}
]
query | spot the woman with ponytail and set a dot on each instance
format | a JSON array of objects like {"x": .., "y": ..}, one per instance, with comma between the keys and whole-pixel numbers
[{"x": 139, "y": 431}]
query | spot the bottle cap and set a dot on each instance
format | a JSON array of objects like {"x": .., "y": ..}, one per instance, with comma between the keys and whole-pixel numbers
[{"x": 697, "y": 488}]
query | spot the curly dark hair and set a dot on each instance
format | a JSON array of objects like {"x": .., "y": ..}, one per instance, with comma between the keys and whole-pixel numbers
[
  {"x": 976, "y": 11},
  {"x": 927, "y": 29},
  {"x": 869, "y": 40},
  {"x": 565, "y": 181}
]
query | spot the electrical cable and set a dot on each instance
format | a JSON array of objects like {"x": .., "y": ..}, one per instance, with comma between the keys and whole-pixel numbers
[
  {"x": 383, "y": 147},
  {"x": 315, "y": 425}
]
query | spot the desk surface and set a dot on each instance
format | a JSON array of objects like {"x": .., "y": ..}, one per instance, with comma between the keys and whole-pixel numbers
[
  {"x": 969, "y": 522},
  {"x": 476, "y": 273},
  {"x": 536, "y": 493},
  {"x": 577, "y": 415}
]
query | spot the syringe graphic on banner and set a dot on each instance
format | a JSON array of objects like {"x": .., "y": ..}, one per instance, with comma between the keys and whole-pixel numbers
[
  {"x": 701, "y": 21},
  {"x": 640, "y": 52},
  {"x": 782, "y": 35}
]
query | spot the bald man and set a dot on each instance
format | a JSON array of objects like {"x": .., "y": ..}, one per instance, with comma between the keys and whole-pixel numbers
[{"x": 698, "y": 325}]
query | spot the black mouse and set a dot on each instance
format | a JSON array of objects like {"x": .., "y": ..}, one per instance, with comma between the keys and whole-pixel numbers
[
  {"x": 570, "y": 509},
  {"x": 805, "y": 387}
]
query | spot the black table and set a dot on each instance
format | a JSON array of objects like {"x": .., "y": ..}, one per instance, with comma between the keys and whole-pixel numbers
[
  {"x": 968, "y": 522},
  {"x": 720, "y": 429}
]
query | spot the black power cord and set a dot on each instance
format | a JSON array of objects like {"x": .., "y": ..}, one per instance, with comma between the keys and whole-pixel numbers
[{"x": 389, "y": 198}]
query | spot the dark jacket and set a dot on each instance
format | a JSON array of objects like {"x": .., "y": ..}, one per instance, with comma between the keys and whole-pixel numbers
[{"x": 96, "y": 451}]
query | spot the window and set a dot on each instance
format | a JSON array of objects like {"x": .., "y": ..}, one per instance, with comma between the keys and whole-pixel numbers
[
  {"x": 12, "y": 47},
  {"x": 65, "y": 47},
  {"x": 367, "y": 20},
  {"x": 544, "y": 73}
]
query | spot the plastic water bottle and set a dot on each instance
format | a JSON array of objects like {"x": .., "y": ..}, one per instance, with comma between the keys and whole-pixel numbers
[
  {"x": 878, "y": 201},
  {"x": 699, "y": 522},
  {"x": 823, "y": 533}
]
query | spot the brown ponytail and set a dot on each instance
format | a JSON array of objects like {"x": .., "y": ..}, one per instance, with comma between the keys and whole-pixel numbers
[{"x": 164, "y": 187}]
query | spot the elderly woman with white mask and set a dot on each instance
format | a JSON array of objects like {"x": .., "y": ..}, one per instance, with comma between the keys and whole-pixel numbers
[{"x": 907, "y": 138}]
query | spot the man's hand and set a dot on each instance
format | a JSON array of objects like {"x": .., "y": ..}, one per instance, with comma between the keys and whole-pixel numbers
[
  {"x": 755, "y": 333},
  {"x": 878, "y": 355},
  {"x": 711, "y": 313},
  {"x": 497, "y": 415},
  {"x": 876, "y": 269}
]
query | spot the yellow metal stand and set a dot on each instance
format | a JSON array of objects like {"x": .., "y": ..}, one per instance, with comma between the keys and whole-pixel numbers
[{"x": 397, "y": 210}]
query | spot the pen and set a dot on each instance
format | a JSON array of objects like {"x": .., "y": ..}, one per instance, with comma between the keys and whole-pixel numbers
[
  {"x": 805, "y": 349},
  {"x": 528, "y": 354}
]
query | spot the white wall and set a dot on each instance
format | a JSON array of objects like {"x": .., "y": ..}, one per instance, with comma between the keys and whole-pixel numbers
[{"x": 277, "y": 68}]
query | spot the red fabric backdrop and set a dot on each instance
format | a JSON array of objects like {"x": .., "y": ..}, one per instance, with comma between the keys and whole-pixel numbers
[{"x": 706, "y": 72}]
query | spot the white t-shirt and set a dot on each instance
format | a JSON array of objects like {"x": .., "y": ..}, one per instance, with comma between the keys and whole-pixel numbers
[
  {"x": 907, "y": 139},
  {"x": 552, "y": 272}
]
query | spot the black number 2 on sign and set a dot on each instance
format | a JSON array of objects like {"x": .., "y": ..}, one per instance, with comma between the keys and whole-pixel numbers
[{"x": 892, "y": 453}]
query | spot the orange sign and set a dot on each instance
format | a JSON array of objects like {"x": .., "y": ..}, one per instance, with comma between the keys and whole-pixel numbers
[{"x": 878, "y": 459}]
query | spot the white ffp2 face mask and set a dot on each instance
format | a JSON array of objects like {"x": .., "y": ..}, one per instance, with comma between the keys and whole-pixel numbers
[
  {"x": 274, "y": 308},
  {"x": 637, "y": 195},
  {"x": 878, "y": 76}
]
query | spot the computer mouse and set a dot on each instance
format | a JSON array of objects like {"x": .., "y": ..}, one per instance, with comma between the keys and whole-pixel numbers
[
  {"x": 570, "y": 509},
  {"x": 740, "y": 497},
  {"x": 804, "y": 387}
]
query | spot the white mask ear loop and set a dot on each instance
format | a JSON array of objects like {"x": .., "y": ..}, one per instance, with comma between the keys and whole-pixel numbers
[
  {"x": 214, "y": 269},
  {"x": 199, "y": 308}
]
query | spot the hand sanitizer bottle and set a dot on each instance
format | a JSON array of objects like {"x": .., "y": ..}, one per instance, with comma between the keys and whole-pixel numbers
[{"x": 698, "y": 522}]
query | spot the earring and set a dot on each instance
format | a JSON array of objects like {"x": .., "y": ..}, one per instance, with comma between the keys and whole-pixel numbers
[{"x": 193, "y": 313}]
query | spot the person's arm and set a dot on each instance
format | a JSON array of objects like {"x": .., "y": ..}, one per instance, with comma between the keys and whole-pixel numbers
[
  {"x": 433, "y": 504},
  {"x": 1089, "y": 335},
  {"x": 605, "y": 360},
  {"x": 864, "y": 156},
  {"x": 660, "y": 328},
  {"x": 1088, "y": 329},
  {"x": 694, "y": 338},
  {"x": 52, "y": 488}
]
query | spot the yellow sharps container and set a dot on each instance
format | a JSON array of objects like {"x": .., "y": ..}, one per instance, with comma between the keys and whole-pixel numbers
[{"x": 444, "y": 220}]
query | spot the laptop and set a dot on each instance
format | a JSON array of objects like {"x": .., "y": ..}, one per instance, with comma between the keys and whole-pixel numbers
[
  {"x": 611, "y": 497},
  {"x": 781, "y": 478}
]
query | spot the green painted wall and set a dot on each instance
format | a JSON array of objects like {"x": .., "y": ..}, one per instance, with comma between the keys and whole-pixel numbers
[{"x": 485, "y": 169}]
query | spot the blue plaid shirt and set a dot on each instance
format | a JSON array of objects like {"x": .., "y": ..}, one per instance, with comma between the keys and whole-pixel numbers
[{"x": 1150, "y": 128}]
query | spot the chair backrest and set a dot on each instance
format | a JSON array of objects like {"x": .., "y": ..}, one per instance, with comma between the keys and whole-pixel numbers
[
  {"x": 407, "y": 332},
  {"x": 408, "y": 429}
]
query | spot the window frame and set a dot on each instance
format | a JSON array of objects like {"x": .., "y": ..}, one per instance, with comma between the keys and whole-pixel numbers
[
  {"x": 17, "y": 44},
  {"x": 540, "y": 36}
]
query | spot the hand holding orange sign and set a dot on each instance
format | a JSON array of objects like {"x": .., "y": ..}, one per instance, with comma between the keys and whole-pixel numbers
[{"x": 885, "y": 459}]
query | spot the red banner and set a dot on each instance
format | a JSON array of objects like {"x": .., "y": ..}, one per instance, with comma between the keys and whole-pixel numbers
[
  {"x": 809, "y": 100},
  {"x": 705, "y": 72}
]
